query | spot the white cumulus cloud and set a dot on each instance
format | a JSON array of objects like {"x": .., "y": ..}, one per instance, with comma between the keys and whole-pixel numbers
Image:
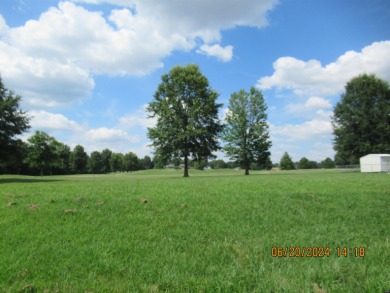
[
  {"x": 312, "y": 107},
  {"x": 207, "y": 17},
  {"x": 224, "y": 54},
  {"x": 51, "y": 121},
  {"x": 51, "y": 60},
  {"x": 123, "y": 3},
  {"x": 136, "y": 119},
  {"x": 110, "y": 134},
  {"x": 115, "y": 139},
  {"x": 312, "y": 78},
  {"x": 317, "y": 102},
  {"x": 304, "y": 131},
  {"x": 3, "y": 26},
  {"x": 312, "y": 139},
  {"x": 42, "y": 82}
]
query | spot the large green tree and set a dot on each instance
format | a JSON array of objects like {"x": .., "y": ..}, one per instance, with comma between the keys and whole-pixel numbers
[
  {"x": 146, "y": 163},
  {"x": 327, "y": 164},
  {"x": 246, "y": 132},
  {"x": 305, "y": 163},
  {"x": 42, "y": 152},
  {"x": 286, "y": 162},
  {"x": 95, "y": 163},
  {"x": 13, "y": 121},
  {"x": 217, "y": 164},
  {"x": 63, "y": 153},
  {"x": 106, "y": 158},
  {"x": 15, "y": 161},
  {"x": 187, "y": 116},
  {"x": 116, "y": 162},
  {"x": 361, "y": 120},
  {"x": 78, "y": 160},
  {"x": 131, "y": 162}
]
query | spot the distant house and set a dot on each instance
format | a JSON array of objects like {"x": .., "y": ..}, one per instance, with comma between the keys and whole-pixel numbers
[
  {"x": 375, "y": 163},
  {"x": 169, "y": 166}
]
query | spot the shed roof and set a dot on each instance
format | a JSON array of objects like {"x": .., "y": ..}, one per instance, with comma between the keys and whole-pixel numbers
[{"x": 376, "y": 155}]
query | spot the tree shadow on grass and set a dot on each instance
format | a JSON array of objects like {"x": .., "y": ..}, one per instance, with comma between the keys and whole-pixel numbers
[{"x": 27, "y": 180}]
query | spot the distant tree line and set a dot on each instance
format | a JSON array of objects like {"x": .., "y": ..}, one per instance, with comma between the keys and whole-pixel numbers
[
  {"x": 44, "y": 155},
  {"x": 286, "y": 163}
]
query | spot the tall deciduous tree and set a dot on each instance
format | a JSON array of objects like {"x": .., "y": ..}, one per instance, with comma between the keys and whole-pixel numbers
[
  {"x": 131, "y": 162},
  {"x": 187, "y": 116},
  {"x": 361, "y": 120},
  {"x": 116, "y": 162},
  {"x": 63, "y": 153},
  {"x": 95, "y": 163},
  {"x": 13, "y": 121},
  {"x": 42, "y": 151},
  {"x": 158, "y": 162},
  {"x": 78, "y": 160},
  {"x": 305, "y": 163},
  {"x": 286, "y": 162},
  {"x": 246, "y": 133},
  {"x": 327, "y": 163},
  {"x": 106, "y": 158},
  {"x": 146, "y": 163}
]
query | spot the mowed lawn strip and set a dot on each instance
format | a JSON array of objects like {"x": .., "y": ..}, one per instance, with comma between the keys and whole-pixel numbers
[{"x": 156, "y": 231}]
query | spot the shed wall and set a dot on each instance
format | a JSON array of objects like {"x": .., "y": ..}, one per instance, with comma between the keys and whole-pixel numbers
[
  {"x": 385, "y": 162},
  {"x": 375, "y": 163},
  {"x": 370, "y": 164}
]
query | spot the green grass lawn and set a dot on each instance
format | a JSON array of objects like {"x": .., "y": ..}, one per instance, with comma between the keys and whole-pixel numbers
[{"x": 211, "y": 232}]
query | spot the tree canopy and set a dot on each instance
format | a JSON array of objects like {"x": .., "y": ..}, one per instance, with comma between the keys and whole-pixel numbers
[
  {"x": 327, "y": 163},
  {"x": 246, "y": 132},
  {"x": 79, "y": 160},
  {"x": 95, "y": 163},
  {"x": 42, "y": 151},
  {"x": 305, "y": 163},
  {"x": 361, "y": 120},
  {"x": 13, "y": 121},
  {"x": 286, "y": 162},
  {"x": 131, "y": 162},
  {"x": 187, "y": 116}
]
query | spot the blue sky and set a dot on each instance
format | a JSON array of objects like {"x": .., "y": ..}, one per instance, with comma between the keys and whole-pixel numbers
[{"x": 87, "y": 68}]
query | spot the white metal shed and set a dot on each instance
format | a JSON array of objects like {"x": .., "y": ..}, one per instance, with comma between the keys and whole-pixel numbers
[{"x": 375, "y": 163}]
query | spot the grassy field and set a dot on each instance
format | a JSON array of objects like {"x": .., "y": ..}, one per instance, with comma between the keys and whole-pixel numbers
[{"x": 155, "y": 231}]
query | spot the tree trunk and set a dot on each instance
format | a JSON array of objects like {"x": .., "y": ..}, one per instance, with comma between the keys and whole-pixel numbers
[
  {"x": 247, "y": 168},
  {"x": 186, "y": 166},
  {"x": 41, "y": 171}
]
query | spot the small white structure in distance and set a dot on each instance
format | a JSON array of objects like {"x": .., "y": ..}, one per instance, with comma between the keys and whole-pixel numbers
[{"x": 375, "y": 163}]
